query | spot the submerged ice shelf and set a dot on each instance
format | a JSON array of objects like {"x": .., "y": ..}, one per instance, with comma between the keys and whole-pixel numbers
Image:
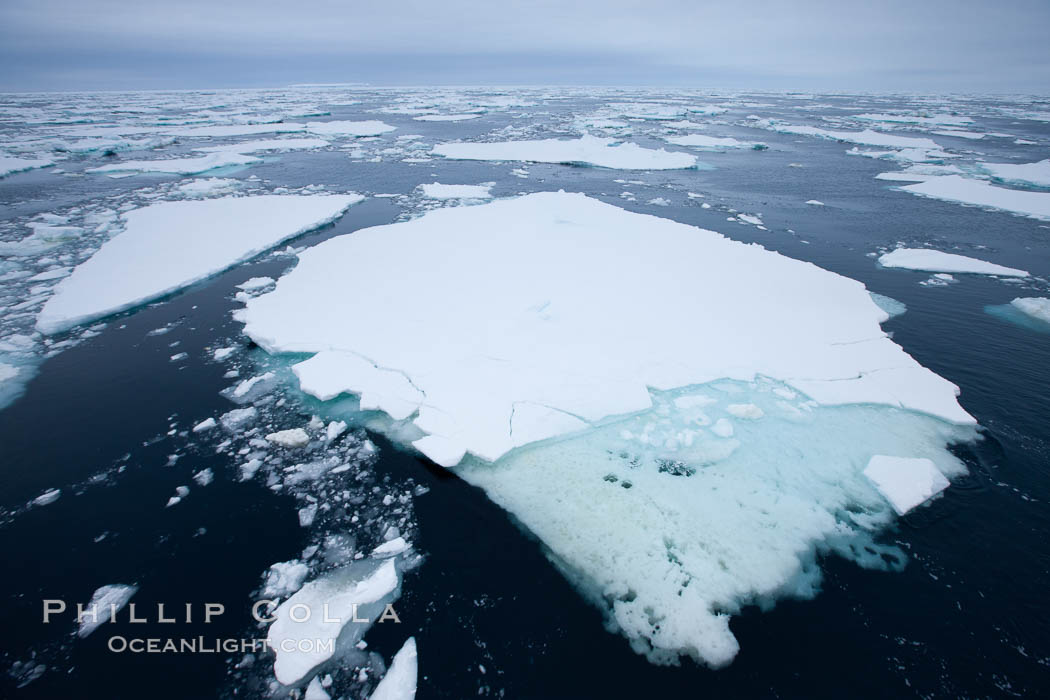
[{"x": 639, "y": 430}]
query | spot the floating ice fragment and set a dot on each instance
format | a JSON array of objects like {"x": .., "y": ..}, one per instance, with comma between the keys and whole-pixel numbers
[
  {"x": 171, "y": 245},
  {"x": 360, "y": 588},
  {"x": 295, "y": 437},
  {"x": 955, "y": 188},
  {"x": 587, "y": 150},
  {"x": 284, "y": 578},
  {"x": 206, "y": 424},
  {"x": 438, "y": 191},
  {"x": 1036, "y": 307},
  {"x": 400, "y": 680},
  {"x": 938, "y": 261},
  {"x": 47, "y": 498}
]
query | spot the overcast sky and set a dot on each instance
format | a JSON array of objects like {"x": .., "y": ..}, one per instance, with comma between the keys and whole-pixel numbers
[{"x": 886, "y": 45}]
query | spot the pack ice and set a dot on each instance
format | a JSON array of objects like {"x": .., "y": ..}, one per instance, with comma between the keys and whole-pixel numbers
[
  {"x": 587, "y": 150},
  {"x": 651, "y": 399},
  {"x": 170, "y": 245}
]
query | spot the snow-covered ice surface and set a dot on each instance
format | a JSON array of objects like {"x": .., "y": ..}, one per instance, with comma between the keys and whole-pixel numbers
[
  {"x": 400, "y": 680},
  {"x": 168, "y": 246},
  {"x": 939, "y": 261},
  {"x": 704, "y": 447}
]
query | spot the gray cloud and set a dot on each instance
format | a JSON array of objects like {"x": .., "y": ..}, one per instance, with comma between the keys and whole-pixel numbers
[{"x": 963, "y": 45}]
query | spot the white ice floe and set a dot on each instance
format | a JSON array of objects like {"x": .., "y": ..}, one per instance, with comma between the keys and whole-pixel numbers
[
  {"x": 438, "y": 191},
  {"x": 321, "y": 609},
  {"x": 1030, "y": 174},
  {"x": 955, "y": 188},
  {"x": 171, "y": 245},
  {"x": 628, "y": 440},
  {"x": 9, "y": 165},
  {"x": 206, "y": 424},
  {"x": 400, "y": 680},
  {"x": 815, "y": 202},
  {"x": 934, "y": 120},
  {"x": 208, "y": 187},
  {"x": 284, "y": 578},
  {"x": 905, "y": 482},
  {"x": 47, "y": 498},
  {"x": 937, "y": 261},
  {"x": 349, "y": 128},
  {"x": 1036, "y": 307},
  {"x": 178, "y": 166},
  {"x": 563, "y": 354},
  {"x": 712, "y": 142},
  {"x": 445, "y": 117},
  {"x": 587, "y": 150},
  {"x": 105, "y": 603}
]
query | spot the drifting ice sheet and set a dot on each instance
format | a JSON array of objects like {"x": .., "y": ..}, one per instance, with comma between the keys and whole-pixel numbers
[
  {"x": 937, "y": 261},
  {"x": 514, "y": 357},
  {"x": 171, "y": 245},
  {"x": 588, "y": 150}
]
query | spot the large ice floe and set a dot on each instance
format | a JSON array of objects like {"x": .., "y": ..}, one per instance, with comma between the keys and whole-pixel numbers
[
  {"x": 652, "y": 400},
  {"x": 170, "y": 245},
  {"x": 587, "y": 150},
  {"x": 956, "y": 188}
]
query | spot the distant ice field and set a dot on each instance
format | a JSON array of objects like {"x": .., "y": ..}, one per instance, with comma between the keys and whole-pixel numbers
[{"x": 572, "y": 378}]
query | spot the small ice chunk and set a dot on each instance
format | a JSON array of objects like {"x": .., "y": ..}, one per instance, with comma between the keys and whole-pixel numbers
[
  {"x": 295, "y": 437},
  {"x": 905, "y": 482},
  {"x": 747, "y": 411},
  {"x": 723, "y": 427},
  {"x": 307, "y": 515},
  {"x": 315, "y": 691},
  {"x": 438, "y": 191},
  {"x": 284, "y": 578},
  {"x": 204, "y": 477},
  {"x": 255, "y": 283},
  {"x": 389, "y": 549},
  {"x": 222, "y": 353},
  {"x": 938, "y": 261},
  {"x": 815, "y": 202},
  {"x": 334, "y": 430},
  {"x": 106, "y": 602},
  {"x": 400, "y": 680},
  {"x": 343, "y": 591}
]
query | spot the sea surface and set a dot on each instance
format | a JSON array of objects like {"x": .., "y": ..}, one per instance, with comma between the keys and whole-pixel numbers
[{"x": 101, "y": 411}]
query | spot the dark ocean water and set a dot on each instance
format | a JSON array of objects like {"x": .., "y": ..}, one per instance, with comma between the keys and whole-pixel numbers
[{"x": 968, "y": 616}]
